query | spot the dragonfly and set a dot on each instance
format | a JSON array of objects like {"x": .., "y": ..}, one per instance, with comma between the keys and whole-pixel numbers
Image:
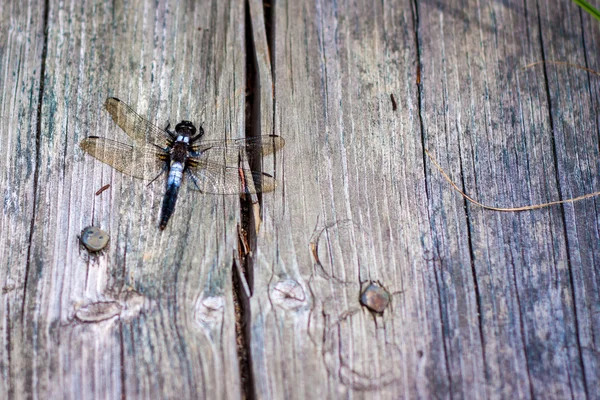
[{"x": 206, "y": 165}]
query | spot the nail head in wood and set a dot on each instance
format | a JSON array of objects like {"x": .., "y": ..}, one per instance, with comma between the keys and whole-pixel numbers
[{"x": 375, "y": 298}]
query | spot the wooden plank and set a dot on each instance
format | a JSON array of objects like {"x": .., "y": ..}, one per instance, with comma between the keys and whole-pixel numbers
[
  {"x": 487, "y": 123},
  {"x": 174, "y": 330},
  {"x": 575, "y": 110},
  {"x": 484, "y": 304},
  {"x": 21, "y": 49},
  {"x": 335, "y": 68},
  {"x": 492, "y": 126}
]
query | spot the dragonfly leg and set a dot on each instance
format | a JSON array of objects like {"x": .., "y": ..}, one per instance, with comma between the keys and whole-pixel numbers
[
  {"x": 195, "y": 151},
  {"x": 171, "y": 133},
  {"x": 198, "y": 135},
  {"x": 165, "y": 168}
]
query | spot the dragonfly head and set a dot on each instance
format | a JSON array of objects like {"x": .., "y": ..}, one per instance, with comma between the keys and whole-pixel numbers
[{"x": 185, "y": 128}]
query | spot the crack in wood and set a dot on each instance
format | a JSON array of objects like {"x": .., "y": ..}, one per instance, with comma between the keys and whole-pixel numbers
[{"x": 36, "y": 171}]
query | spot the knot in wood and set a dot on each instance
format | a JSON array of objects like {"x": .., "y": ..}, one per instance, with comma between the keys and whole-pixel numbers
[
  {"x": 288, "y": 294},
  {"x": 99, "y": 311},
  {"x": 209, "y": 311}
]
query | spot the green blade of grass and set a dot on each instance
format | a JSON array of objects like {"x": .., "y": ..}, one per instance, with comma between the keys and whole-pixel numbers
[{"x": 588, "y": 8}]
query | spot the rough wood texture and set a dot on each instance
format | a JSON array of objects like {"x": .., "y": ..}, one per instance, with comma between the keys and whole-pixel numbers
[
  {"x": 172, "y": 291},
  {"x": 483, "y": 304}
]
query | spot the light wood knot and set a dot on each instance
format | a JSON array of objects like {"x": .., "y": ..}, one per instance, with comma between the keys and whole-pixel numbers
[
  {"x": 210, "y": 311},
  {"x": 99, "y": 311},
  {"x": 288, "y": 294}
]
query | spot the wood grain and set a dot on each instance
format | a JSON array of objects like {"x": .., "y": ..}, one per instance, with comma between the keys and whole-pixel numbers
[
  {"x": 350, "y": 171},
  {"x": 494, "y": 127},
  {"x": 162, "y": 322},
  {"x": 21, "y": 52},
  {"x": 482, "y": 304}
]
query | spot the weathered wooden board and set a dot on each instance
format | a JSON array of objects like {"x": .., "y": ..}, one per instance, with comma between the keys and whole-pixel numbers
[
  {"x": 21, "y": 49},
  {"x": 352, "y": 171},
  {"x": 575, "y": 119},
  {"x": 495, "y": 128},
  {"x": 152, "y": 316},
  {"x": 484, "y": 304}
]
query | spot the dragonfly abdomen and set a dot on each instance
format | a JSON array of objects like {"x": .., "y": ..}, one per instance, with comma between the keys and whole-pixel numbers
[
  {"x": 175, "y": 174},
  {"x": 173, "y": 184}
]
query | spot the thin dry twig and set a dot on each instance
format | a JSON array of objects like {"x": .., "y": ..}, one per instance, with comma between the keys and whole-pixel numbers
[
  {"x": 568, "y": 64},
  {"x": 523, "y": 208},
  {"x": 505, "y": 209}
]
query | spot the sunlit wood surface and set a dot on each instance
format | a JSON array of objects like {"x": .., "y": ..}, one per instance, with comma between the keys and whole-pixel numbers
[{"x": 482, "y": 304}]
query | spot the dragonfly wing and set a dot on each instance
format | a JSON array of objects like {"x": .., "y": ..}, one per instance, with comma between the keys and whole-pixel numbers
[
  {"x": 140, "y": 162},
  {"x": 229, "y": 151},
  {"x": 138, "y": 128},
  {"x": 215, "y": 178}
]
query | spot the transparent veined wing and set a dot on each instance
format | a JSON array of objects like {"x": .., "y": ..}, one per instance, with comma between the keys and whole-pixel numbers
[
  {"x": 138, "y": 128},
  {"x": 140, "y": 162},
  {"x": 215, "y": 178},
  {"x": 229, "y": 151}
]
